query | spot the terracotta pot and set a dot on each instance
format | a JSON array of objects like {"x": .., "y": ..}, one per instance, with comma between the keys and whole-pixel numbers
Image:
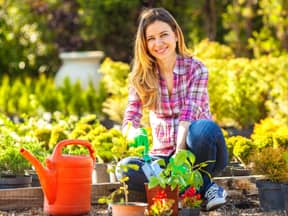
[
  {"x": 190, "y": 212},
  {"x": 129, "y": 209},
  {"x": 171, "y": 194}
]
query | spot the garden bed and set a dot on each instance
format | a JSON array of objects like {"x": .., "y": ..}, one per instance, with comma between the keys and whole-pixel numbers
[
  {"x": 248, "y": 206},
  {"x": 243, "y": 199}
]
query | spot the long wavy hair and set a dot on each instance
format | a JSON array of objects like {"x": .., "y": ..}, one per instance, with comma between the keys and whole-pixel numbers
[{"x": 144, "y": 77}]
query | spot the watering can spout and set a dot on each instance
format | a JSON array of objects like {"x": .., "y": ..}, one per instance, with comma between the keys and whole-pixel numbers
[{"x": 47, "y": 175}]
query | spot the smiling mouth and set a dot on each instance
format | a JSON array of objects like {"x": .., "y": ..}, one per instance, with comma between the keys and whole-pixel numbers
[{"x": 161, "y": 51}]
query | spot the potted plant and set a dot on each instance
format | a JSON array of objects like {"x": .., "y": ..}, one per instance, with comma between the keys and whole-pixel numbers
[
  {"x": 180, "y": 173},
  {"x": 13, "y": 168},
  {"x": 118, "y": 200},
  {"x": 190, "y": 202},
  {"x": 273, "y": 164},
  {"x": 240, "y": 148}
]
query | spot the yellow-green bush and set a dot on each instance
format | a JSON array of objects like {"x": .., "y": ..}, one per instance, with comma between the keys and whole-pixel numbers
[
  {"x": 212, "y": 50},
  {"x": 240, "y": 147},
  {"x": 35, "y": 96},
  {"x": 270, "y": 132},
  {"x": 271, "y": 162}
]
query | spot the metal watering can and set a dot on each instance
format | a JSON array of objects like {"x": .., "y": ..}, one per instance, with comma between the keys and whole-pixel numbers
[{"x": 66, "y": 181}]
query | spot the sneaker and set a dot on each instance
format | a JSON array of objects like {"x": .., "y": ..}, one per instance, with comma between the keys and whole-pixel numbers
[{"x": 216, "y": 196}]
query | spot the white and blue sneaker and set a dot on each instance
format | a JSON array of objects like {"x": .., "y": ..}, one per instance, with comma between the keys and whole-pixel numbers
[{"x": 216, "y": 196}]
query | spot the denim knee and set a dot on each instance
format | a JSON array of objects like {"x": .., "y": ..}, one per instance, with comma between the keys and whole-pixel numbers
[{"x": 206, "y": 141}]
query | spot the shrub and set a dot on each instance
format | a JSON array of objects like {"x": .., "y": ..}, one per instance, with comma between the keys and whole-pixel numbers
[
  {"x": 240, "y": 147},
  {"x": 270, "y": 132},
  {"x": 271, "y": 162}
]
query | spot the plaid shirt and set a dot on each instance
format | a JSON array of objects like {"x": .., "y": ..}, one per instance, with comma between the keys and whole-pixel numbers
[{"x": 188, "y": 102}]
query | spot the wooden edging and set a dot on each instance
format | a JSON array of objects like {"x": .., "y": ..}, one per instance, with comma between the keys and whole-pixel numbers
[{"x": 20, "y": 198}]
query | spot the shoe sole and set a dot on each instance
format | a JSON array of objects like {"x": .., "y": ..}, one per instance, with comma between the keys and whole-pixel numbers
[{"x": 217, "y": 204}]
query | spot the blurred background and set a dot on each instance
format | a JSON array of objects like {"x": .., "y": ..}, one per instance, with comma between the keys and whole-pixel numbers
[
  {"x": 244, "y": 44},
  {"x": 33, "y": 32}
]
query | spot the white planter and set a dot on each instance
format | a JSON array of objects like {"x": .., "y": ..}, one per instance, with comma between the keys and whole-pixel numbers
[{"x": 82, "y": 66}]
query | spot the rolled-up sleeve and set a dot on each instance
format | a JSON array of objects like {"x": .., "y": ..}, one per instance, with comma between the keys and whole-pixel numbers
[
  {"x": 196, "y": 103},
  {"x": 133, "y": 111}
]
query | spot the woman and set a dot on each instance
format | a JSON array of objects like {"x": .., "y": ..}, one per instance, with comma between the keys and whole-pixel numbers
[{"x": 172, "y": 84}]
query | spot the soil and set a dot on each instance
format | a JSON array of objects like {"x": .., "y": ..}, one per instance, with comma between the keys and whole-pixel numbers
[{"x": 248, "y": 206}]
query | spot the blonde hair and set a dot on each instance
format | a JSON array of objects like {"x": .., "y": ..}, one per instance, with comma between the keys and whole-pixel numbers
[{"x": 144, "y": 77}]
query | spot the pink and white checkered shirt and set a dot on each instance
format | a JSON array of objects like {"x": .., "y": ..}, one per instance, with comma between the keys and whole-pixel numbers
[{"x": 188, "y": 102}]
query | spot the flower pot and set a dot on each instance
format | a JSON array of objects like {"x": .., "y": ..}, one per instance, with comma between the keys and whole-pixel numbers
[
  {"x": 284, "y": 189},
  {"x": 80, "y": 66},
  {"x": 240, "y": 171},
  {"x": 112, "y": 175},
  {"x": 171, "y": 194},
  {"x": 270, "y": 195},
  {"x": 35, "y": 178},
  {"x": 100, "y": 173},
  {"x": 15, "y": 181},
  {"x": 129, "y": 209},
  {"x": 190, "y": 212}
]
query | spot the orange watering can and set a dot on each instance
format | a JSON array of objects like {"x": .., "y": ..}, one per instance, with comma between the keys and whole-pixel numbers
[{"x": 66, "y": 181}]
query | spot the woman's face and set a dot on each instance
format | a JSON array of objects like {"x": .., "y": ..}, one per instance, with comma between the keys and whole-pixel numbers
[{"x": 161, "y": 40}]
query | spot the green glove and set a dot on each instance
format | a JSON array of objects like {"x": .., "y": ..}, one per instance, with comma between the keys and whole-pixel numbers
[{"x": 140, "y": 138}]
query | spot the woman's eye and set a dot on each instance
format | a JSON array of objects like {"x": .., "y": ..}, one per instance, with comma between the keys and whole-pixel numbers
[
  {"x": 150, "y": 39},
  {"x": 164, "y": 35}
]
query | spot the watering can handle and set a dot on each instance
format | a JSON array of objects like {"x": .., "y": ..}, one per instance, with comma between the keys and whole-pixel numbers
[{"x": 58, "y": 149}]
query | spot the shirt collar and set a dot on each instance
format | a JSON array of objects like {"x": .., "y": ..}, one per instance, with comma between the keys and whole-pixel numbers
[{"x": 180, "y": 65}]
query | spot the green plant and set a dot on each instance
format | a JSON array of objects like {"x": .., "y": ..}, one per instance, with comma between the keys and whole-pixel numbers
[
  {"x": 11, "y": 162},
  {"x": 181, "y": 172},
  {"x": 241, "y": 148},
  {"x": 122, "y": 190},
  {"x": 270, "y": 132},
  {"x": 271, "y": 162}
]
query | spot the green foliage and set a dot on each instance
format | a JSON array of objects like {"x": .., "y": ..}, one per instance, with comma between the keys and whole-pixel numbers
[
  {"x": 243, "y": 91},
  {"x": 23, "y": 50},
  {"x": 270, "y": 132},
  {"x": 271, "y": 38},
  {"x": 109, "y": 144},
  {"x": 12, "y": 162},
  {"x": 271, "y": 162},
  {"x": 40, "y": 29},
  {"x": 122, "y": 190},
  {"x": 36, "y": 96},
  {"x": 237, "y": 20},
  {"x": 181, "y": 172},
  {"x": 240, "y": 147},
  {"x": 11, "y": 140},
  {"x": 107, "y": 25},
  {"x": 115, "y": 79},
  {"x": 206, "y": 49}
]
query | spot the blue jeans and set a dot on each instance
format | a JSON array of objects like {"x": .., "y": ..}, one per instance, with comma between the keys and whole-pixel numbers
[{"x": 204, "y": 139}]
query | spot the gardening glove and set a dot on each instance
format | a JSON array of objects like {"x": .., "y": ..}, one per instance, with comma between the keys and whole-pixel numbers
[{"x": 137, "y": 137}]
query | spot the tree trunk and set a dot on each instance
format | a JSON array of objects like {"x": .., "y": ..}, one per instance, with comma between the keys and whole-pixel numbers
[{"x": 210, "y": 14}]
